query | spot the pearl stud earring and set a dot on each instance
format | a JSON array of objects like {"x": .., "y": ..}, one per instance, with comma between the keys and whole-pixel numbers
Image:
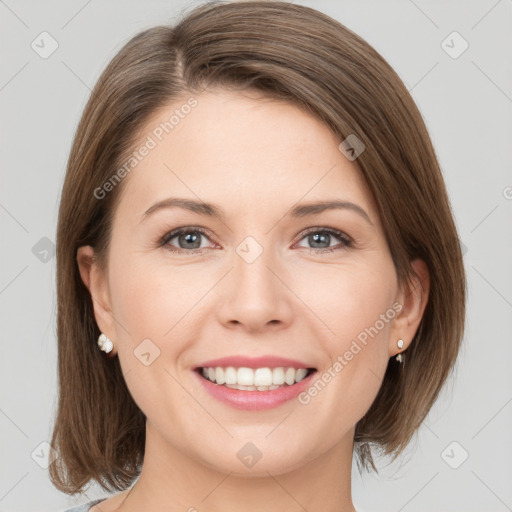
[
  {"x": 400, "y": 357},
  {"x": 105, "y": 344}
]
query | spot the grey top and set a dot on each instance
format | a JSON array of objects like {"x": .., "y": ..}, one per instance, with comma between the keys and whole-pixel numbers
[{"x": 85, "y": 507}]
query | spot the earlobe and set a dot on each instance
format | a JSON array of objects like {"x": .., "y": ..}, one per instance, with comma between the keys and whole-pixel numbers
[
  {"x": 95, "y": 281},
  {"x": 413, "y": 300}
]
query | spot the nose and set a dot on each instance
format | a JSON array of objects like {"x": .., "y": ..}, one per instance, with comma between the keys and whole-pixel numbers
[{"x": 255, "y": 295}]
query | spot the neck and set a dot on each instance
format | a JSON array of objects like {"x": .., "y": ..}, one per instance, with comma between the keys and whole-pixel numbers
[{"x": 172, "y": 480}]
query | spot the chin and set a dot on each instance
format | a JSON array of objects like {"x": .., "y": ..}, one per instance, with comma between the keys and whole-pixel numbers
[{"x": 249, "y": 461}]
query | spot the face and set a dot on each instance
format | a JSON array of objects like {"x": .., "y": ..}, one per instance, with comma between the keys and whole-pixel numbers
[{"x": 258, "y": 280}]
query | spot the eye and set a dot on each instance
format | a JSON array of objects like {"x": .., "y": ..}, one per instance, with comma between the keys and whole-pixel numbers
[
  {"x": 320, "y": 239},
  {"x": 188, "y": 239}
]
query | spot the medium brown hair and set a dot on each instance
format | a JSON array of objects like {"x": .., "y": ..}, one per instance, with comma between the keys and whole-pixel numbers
[{"x": 292, "y": 53}]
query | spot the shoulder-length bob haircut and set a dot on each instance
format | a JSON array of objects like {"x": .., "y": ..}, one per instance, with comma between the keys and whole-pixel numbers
[{"x": 287, "y": 52}]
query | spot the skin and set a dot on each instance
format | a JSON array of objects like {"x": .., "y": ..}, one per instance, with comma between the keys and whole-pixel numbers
[{"x": 255, "y": 158}]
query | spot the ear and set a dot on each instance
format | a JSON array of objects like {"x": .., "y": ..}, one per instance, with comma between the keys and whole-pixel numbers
[
  {"x": 413, "y": 300},
  {"x": 97, "y": 283}
]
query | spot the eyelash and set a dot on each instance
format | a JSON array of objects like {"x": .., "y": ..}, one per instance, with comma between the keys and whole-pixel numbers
[{"x": 347, "y": 242}]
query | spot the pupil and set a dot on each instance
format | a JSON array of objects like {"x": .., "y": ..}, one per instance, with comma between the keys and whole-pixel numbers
[
  {"x": 188, "y": 238},
  {"x": 315, "y": 239}
]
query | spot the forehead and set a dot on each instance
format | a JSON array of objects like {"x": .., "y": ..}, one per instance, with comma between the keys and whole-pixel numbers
[{"x": 241, "y": 150}]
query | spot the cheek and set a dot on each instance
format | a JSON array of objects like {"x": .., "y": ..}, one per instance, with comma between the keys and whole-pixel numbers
[
  {"x": 349, "y": 299},
  {"x": 146, "y": 307},
  {"x": 149, "y": 298},
  {"x": 357, "y": 307}
]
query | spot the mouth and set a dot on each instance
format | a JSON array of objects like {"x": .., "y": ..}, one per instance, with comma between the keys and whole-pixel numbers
[
  {"x": 254, "y": 388},
  {"x": 260, "y": 380},
  {"x": 254, "y": 383}
]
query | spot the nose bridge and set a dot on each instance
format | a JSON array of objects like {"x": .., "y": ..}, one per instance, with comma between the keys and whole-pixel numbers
[
  {"x": 256, "y": 295},
  {"x": 252, "y": 274}
]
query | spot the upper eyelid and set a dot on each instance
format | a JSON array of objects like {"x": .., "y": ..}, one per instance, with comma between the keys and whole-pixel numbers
[{"x": 333, "y": 231}]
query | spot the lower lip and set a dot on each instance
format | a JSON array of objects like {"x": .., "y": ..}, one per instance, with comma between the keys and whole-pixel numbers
[{"x": 254, "y": 400}]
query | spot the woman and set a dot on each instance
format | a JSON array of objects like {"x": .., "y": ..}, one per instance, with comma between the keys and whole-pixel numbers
[{"x": 259, "y": 274}]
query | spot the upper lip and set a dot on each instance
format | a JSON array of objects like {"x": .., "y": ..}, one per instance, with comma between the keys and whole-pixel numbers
[{"x": 253, "y": 362}]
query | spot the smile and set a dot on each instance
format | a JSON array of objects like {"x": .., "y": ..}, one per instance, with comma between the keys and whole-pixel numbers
[
  {"x": 257, "y": 379},
  {"x": 254, "y": 388}
]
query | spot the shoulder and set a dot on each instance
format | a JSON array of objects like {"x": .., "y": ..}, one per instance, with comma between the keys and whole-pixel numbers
[{"x": 85, "y": 507}]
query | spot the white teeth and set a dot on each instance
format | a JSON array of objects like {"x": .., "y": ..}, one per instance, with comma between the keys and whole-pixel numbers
[
  {"x": 219, "y": 376},
  {"x": 245, "y": 377},
  {"x": 289, "y": 376},
  {"x": 278, "y": 376},
  {"x": 260, "y": 379},
  {"x": 230, "y": 375},
  {"x": 300, "y": 374}
]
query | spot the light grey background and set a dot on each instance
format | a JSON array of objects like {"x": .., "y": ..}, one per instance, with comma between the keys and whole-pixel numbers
[{"x": 467, "y": 105}]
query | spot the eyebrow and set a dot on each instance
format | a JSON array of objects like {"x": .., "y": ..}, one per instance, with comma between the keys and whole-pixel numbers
[{"x": 211, "y": 210}]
